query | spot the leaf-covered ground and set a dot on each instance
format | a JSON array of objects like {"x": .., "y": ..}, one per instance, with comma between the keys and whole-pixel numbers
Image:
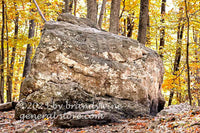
[{"x": 188, "y": 122}]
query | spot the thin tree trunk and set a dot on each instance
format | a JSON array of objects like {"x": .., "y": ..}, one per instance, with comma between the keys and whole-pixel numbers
[
  {"x": 197, "y": 77},
  {"x": 156, "y": 39},
  {"x": 92, "y": 10},
  {"x": 114, "y": 16},
  {"x": 12, "y": 63},
  {"x": 29, "y": 50},
  {"x": 148, "y": 40},
  {"x": 180, "y": 96},
  {"x": 68, "y": 6},
  {"x": 178, "y": 54},
  {"x": 130, "y": 25},
  {"x": 75, "y": 6},
  {"x": 38, "y": 8},
  {"x": 103, "y": 7},
  {"x": 187, "y": 52},
  {"x": 27, "y": 65},
  {"x": 144, "y": 10},
  {"x": 162, "y": 30},
  {"x": 120, "y": 16},
  {"x": 199, "y": 102},
  {"x": 177, "y": 57},
  {"x": 124, "y": 33},
  {"x": 105, "y": 15},
  {"x": 197, "y": 74},
  {"x": 2, "y": 54},
  {"x": 123, "y": 9},
  {"x": 8, "y": 54}
]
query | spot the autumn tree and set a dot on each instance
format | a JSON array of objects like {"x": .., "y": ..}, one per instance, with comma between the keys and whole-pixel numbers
[
  {"x": 68, "y": 6},
  {"x": 103, "y": 7},
  {"x": 130, "y": 25},
  {"x": 187, "y": 51},
  {"x": 75, "y": 6},
  {"x": 8, "y": 56},
  {"x": 128, "y": 18},
  {"x": 178, "y": 53},
  {"x": 12, "y": 63},
  {"x": 162, "y": 30},
  {"x": 2, "y": 54},
  {"x": 27, "y": 64},
  {"x": 148, "y": 40},
  {"x": 114, "y": 16},
  {"x": 92, "y": 10},
  {"x": 144, "y": 10},
  {"x": 29, "y": 49},
  {"x": 197, "y": 68}
]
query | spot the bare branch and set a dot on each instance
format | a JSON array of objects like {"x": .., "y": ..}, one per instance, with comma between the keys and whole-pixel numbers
[{"x": 39, "y": 11}]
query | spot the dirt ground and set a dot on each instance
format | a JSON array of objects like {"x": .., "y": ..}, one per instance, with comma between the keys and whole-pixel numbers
[{"x": 183, "y": 123}]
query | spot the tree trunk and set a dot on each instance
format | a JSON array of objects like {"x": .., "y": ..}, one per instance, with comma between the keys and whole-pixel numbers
[
  {"x": 162, "y": 30},
  {"x": 187, "y": 52},
  {"x": 196, "y": 74},
  {"x": 198, "y": 79},
  {"x": 114, "y": 16},
  {"x": 144, "y": 10},
  {"x": 177, "y": 57},
  {"x": 124, "y": 33},
  {"x": 68, "y": 6},
  {"x": 103, "y": 7},
  {"x": 8, "y": 54},
  {"x": 66, "y": 9},
  {"x": 178, "y": 54},
  {"x": 148, "y": 40},
  {"x": 2, "y": 54},
  {"x": 38, "y": 8},
  {"x": 9, "y": 91},
  {"x": 92, "y": 10},
  {"x": 75, "y": 5},
  {"x": 130, "y": 25},
  {"x": 27, "y": 64}
]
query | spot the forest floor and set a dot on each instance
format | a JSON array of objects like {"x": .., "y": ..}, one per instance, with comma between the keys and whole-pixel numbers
[{"x": 188, "y": 122}]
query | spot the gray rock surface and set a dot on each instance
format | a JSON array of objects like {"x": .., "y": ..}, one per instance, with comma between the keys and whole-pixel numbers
[
  {"x": 175, "y": 109},
  {"x": 77, "y": 65},
  {"x": 82, "y": 119}
]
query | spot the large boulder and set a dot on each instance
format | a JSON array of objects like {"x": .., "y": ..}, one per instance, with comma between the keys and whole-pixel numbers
[{"x": 78, "y": 67}]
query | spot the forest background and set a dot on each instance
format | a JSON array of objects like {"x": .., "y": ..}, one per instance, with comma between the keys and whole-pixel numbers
[{"x": 173, "y": 30}]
